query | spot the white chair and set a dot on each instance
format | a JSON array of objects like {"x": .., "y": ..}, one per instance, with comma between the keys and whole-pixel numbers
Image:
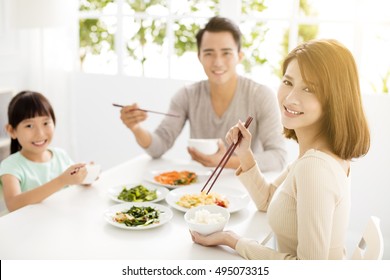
[
  {"x": 371, "y": 245},
  {"x": 270, "y": 241}
]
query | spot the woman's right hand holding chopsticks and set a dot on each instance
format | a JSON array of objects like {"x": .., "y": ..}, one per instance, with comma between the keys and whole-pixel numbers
[{"x": 243, "y": 150}]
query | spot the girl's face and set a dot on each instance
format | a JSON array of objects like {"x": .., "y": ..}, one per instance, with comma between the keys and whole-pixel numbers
[
  {"x": 301, "y": 110},
  {"x": 34, "y": 135}
]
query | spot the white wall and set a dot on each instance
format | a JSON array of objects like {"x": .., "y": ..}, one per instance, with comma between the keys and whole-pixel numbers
[
  {"x": 371, "y": 174},
  {"x": 99, "y": 134}
]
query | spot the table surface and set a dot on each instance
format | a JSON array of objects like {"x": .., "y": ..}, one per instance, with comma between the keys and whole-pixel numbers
[{"x": 70, "y": 224}]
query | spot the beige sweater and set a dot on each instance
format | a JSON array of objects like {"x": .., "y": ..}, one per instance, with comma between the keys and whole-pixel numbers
[{"x": 308, "y": 209}]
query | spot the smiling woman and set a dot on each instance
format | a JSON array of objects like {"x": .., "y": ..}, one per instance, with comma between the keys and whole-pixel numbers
[{"x": 320, "y": 101}]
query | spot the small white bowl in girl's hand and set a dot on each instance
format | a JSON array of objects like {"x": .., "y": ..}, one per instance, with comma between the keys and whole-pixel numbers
[{"x": 93, "y": 171}]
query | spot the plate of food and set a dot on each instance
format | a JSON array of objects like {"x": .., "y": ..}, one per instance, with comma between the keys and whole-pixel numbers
[
  {"x": 136, "y": 192},
  {"x": 138, "y": 216},
  {"x": 183, "y": 199},
  {"x": 175, "y": 178}
]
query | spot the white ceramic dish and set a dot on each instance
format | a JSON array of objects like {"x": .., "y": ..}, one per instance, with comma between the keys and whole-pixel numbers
[
  {"x": 237, "y": 199},
  {"x": 207, "y": 222},
  {"x": 93, "y": 173},
  {"x": 165, "y": 215},
  {"x": 161, "y": 192},
  {"x": 205, "y": 146},
  {"x": 203, "y": 175}
]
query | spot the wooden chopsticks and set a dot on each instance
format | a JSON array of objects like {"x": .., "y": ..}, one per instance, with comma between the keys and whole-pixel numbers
[
  {"x": 149, "y": 111},
  {"x": 226, "y": 157}
]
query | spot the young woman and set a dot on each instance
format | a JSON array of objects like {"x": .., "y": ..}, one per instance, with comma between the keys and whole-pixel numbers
[
  {"x": 308, "y": 205},
  {"x": 34, "y": 170}
]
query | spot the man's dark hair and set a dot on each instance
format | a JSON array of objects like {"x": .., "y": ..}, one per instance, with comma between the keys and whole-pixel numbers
[{"x": 220, "y": 24}]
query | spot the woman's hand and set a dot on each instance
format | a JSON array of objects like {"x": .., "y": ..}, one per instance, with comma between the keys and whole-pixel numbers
[
  {"x": 243, "y": 149},
  {"x": 232, "y": 137},
  {"x": 131, "y": 117},
  {"x": 227, "y": 238}
]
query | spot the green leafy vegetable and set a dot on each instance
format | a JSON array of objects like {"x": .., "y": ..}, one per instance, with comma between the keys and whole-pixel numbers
[
  {"x": 138, "y": 216},
  {"x": 137, "y": 194}
]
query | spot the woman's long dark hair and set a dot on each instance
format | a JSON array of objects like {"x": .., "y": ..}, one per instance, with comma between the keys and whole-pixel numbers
[{"x": 27, "y": 105}]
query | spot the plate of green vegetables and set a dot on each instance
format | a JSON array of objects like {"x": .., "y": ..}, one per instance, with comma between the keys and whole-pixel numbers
[
  {"x": 138, "y": 216},
  {"x": 137, "y": 192}
]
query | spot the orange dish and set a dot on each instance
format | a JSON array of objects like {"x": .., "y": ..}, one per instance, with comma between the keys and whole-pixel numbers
[
  {"x": 193, "y": 200},
  {"x": 175, "y": 178}
]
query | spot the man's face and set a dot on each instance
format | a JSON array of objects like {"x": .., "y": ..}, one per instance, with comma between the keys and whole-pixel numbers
[{"x": 219, "y": 56}]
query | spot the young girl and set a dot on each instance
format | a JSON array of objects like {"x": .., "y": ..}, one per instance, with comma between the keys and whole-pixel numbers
[
  {"x": 308, "y": 205},
  {"x": 34, "y": 170}
]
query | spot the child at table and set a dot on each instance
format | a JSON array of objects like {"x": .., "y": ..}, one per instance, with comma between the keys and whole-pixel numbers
[
  {"x": 308, "y": 205},
  {"x": 34, "y": 170}
]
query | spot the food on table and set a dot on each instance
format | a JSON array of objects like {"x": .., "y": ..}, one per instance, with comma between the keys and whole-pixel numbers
[
  {"x": 138, "y": 216},
  {"x": 203, "y": 216},
  {"x": 193, "y": 200},
  {"x": 137, "y": 194},
  {"x": 176, "y": 178}
]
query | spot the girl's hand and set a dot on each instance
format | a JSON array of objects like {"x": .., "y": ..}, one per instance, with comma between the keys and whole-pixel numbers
[
  {"x": 74, "y": 175},
  {"x": 245, "y": 143},
  {"x": 131, "y": 117}
]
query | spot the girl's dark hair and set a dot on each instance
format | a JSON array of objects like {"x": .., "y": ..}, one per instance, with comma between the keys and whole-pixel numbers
[
  {"x": 27, "y": 105},
  {"x": 220, "y": 24}
]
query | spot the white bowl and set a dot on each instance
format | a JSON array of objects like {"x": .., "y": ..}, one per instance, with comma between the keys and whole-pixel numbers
[
  {"x": 207, "y": 219},
  {"x": 93, "y": 171},
  {"x": 205, "y": 146}
]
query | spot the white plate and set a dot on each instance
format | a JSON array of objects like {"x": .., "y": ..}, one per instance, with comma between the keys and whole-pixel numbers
[
  {"x": 165, "y": 215},
  {"x": 161, "y": 192},
  {"x": 237, "y": 199},
  {"x": 203, "y": 175}
]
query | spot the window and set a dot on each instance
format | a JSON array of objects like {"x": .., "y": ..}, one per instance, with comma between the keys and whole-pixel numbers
[{"x": 156, "y": 38}]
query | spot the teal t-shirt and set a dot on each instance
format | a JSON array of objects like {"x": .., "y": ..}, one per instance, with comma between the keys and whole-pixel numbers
[{"x": 34, "y": 174}]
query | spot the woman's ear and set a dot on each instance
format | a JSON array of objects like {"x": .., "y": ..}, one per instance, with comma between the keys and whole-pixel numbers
[{"x": 11, "y": 131}]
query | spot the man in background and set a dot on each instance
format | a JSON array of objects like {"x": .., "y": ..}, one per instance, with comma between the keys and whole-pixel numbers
[{"x": 214, "y": 105}]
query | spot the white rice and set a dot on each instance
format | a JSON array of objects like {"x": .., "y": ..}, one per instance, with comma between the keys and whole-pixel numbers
[{"x": 203, "y": 216}]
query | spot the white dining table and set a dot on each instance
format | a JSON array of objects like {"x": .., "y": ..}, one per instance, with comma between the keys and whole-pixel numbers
[{"x": 69, "y": 225}]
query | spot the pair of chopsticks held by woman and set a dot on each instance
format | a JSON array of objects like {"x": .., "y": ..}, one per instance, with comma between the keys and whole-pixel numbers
[{"x": 318, "y": 105}]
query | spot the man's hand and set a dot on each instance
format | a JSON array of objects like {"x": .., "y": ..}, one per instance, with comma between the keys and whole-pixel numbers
[
  {"x": 131, "y": 116},
  {"x": 214, "y": 159}
]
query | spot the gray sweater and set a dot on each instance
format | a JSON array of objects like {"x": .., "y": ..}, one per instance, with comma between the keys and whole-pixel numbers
[{"x": 193, "y": 103}]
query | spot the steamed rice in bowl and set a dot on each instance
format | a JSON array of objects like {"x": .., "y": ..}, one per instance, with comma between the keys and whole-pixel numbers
[
  {"x": 207, "y": 219},
  {"x": 203, "y": 216}
]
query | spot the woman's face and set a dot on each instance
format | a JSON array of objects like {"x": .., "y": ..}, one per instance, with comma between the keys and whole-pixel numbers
[{"x": 300, "y": 108}]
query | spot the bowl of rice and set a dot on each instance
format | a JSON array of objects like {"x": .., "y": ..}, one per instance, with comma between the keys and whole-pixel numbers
[{"x": 207, "y": 219}]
